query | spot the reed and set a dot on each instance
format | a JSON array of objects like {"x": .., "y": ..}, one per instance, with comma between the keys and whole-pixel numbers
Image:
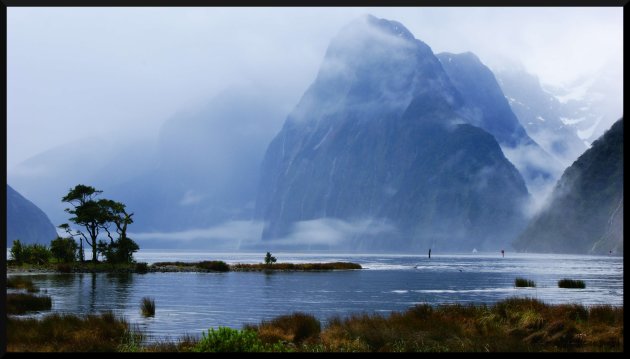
[
  {"x": 522, "y": 282},
  {"x": 147, "y": 307}
]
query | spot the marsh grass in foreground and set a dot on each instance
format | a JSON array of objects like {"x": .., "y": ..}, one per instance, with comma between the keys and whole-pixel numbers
[
  {"x": 21, "y": 303},
  {"x": 511, "y": 325},
  {"x": 67, "y": 333},
  {"x": 571, "y": 283},
  {"x": 522, "y": 282}
]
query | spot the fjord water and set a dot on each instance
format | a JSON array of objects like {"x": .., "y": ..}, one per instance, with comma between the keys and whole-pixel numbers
[{"x": 190, "y": 303}]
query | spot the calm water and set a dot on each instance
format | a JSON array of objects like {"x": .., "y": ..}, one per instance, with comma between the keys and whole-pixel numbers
[{"x": 193, "y": 302}]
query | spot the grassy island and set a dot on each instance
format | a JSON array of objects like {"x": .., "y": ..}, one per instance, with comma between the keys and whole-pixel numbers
[{"x": 202, "y": 266}]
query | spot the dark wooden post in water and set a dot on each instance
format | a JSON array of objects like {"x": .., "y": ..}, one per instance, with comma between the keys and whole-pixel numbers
[{"x": 429, "y": 253}]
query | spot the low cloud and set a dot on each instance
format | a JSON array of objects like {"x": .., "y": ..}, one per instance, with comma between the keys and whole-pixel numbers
[
  {"x": 228, "y": 231},
  {"x": 332, "y": 231}
]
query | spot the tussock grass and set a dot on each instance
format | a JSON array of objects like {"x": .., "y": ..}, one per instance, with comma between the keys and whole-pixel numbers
[
  {"x": 67, "y": 333},
  {"x": 21, "y": 303},
  {"x": 571, "y": 283},
  {"x": 147, "y": 307},
  {"x": 522, "y": 282},
  {"x": 294, "y": 328},
  {"x": 22, "y": 282}
]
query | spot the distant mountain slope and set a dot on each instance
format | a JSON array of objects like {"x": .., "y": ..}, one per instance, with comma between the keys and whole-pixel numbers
[
  {"x": 378, "y": 138},
  {"x": 585, "y": 214},
  {"x": 26, "y": 222},
  {"x": 485, "y": 106},
  {"x": 541, "y": 115}
]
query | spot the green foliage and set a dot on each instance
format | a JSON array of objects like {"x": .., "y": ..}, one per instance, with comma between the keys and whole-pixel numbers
[
  {"x": 17, "y": 252},
  {"x": 522, "y": 282},
  {"x": 96, "y": 215},
  {"x": 147, "y": 307},
  {"x": 64, "y": 249},
  {"x": 226, "y": 339},
  {"x": 571, "y": 283},
  {"x": 30, "y": 253},
  {"x": 269, "y": 259}
]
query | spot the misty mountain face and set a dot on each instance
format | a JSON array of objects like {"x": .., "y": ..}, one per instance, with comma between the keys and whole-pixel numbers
[
  {"x": 585, "y": 213},
  {"x": 379, "y": 138},
  {"x": 26, "y": 222},
  {"x": 485, "y": 106},
  {"x": 207, "y": 165},
  {"x": 540, "y": 113},
  {"x": 592, "y": 104}
]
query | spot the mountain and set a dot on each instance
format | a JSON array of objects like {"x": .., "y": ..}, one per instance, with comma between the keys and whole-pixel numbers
[
  {"x": 206, "y": 164},
  {"x": 540, "y": 113},
  {"x": 26, "y": 222},
  {"x": 585, "y": 211},
  {"x": 380, "y": 142},
  {"x": 485, "y": 106},
  {"x": 591, "y": 104}
]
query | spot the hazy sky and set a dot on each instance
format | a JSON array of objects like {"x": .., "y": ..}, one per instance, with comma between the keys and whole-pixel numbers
[{"x": 75, "y": 72}]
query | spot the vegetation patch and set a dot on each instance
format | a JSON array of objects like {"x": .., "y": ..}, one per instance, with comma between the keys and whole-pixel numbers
[
  {"x": 21, "y": 303},
  {"x": 522, "y": 282},
  {"x": 67, "y": 333},
  {"x": 21, "y": 282},
  {"x": 511, "y": 325},
  {"x": 571, "y": 283},
  {"x": 296, "y": 266},
  {"x": 147, "y": 307},
  {"x": 230, "y": 340}
]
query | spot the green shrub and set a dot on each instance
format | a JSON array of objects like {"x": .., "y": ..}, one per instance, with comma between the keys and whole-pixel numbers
[
  {"x": 64, "y": 249},
  {"x": 17, "y": 252},
  {"x": 571, "y": 283},
  {"x": 522, "y": 282},
  {"x": 31, "y": 254},
  {"x": 147, "y": 306},
  {"x": 226, "y": 339}
]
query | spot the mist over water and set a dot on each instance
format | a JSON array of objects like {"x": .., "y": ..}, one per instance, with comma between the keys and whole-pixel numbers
[{"x": 194, "y": 302}]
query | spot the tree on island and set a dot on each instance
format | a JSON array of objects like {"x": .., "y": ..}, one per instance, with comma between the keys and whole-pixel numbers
[
  {"x": 269, "y": 259},
  {"x": 96, "y": 215}
]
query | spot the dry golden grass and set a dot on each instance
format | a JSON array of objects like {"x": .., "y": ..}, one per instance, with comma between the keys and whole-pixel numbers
[{"x": 66, "y": 333}]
